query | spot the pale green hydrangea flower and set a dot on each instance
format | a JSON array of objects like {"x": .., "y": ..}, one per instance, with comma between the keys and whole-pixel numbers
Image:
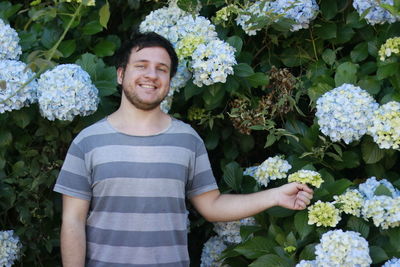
[
  {"x": 323, "y": 214},
  {"x": 350, "y": 202},
  {"x": 188, "y": 44},
  {"x": 389, "y": 48},
  {"x": 224, "y": 13},
  {"x": 271, "y": 169},
  {"x": 385, "y": 127},
  {"x": 306, "y": 177}
]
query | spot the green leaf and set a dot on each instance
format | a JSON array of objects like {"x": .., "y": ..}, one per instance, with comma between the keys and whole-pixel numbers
[
  {"x": 233, "y": 175},
  {"x": 326, "y": 31},
  {"x": 382, "y": 190},
  {"x": 358, "y": 225},
  {"x": 346, "y": 73},
  {"x": 371, "y": 85},
  {"x": 246, "y": 143},
  {"x": 280, "y": 212},
  {"x": 7, "y": 10},
  {"x": 258, "y": 79},
  {"x": 213, "y": 96},
  {"x": 271, "y": 138},
  {"x": 5, "y": 138},
  {"x": 104, "y": 15},
  {"x": 308, "y": 253},
  {"x": 67, "y": 47},
  {"x": 377, "y": 254},
  {"x": 236, "y": 42},
  {"x": 104, "y": 48},
  {"x": 329, "y": 9},
  {"x": 292, "y": 57},
  {"x": 301, "y": 224},
  {"x": 187, "y": 5},
  {"x": 329, "y": 56},
  {"x": 338, "y": 187},
  {"x": 269, "y": 260},
  {"x": 211, "y": 140},
  {"x": 388, "y": 69},
  {"x": 255, "y": 247},
  {"x": 243, "y": 70},
  {"x": 317, "y": 90},
  {"x": 49, "y": 37},
  {"x": 191, "y": 90},
  {"x": 359, "y": 53},
  {"x": 22, "y": 118},
  {"x": 370, "y": 151},
  {"x": 92, "y": 27}
]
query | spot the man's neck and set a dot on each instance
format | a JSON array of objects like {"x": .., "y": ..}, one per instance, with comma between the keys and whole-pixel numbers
[{"x": 139, "y": 122}]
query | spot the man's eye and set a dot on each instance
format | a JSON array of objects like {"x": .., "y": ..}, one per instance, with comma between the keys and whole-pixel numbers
[
  {"x": 139, "y": 66},
  {"x": 162, "y": 69}
]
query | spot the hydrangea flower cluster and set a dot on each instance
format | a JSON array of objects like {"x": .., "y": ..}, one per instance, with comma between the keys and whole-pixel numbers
[
  {"x": 305, "y": 263},
  {"x": 230, "y": 231},
  {"x": 10, "y": 248},
  {"x": 250, "y": 171},
  {"x": 389, "y": 48},
  {"x": 395, "y": 262},
  {"x": 301, "y": 12},
  {"x": 323, "y": 214},
  {"x": 9, "y": 42},
  {"x": 350, "y": 202},
  {"x": 223, "y": 15},
  {"x": 66, "y": 91},
  {"x": 197, "y": 44},
  {"x": 211, "y": 252},
  {"x": 271, "y": 169},
  {"x": 342, "y": 249},
  {"x": 375, "y": 13},
  {"x": 385, "y": 128},
  {"x": 306, "y": 177},
  {"x": 345, "y": 113},
  {"x": 13, "y": 75}
]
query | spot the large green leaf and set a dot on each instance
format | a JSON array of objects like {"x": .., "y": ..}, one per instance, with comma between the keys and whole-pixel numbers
[
  {"x": 377, "y": 254},
  {"x": 371, "y": 153},
  {"x": 233, "y": 176},
  {"x": 301, "y": 224},
  {"x": 269, "y": 260},
  {"x": 346, "y": 73},
  {"x": 255, "y": 247},
  {"x": 258, "y": 79},
  {"x": 104, "y": 14},
  {"x": 358, "y": 225},
  {"x": 236, "y": 42},
  {"x": 243, "y": 70},
  {"x": 359, "y": 53}
]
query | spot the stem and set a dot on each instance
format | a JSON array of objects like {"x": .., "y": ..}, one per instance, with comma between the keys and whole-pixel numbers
[{"x": 313, "y": 44}]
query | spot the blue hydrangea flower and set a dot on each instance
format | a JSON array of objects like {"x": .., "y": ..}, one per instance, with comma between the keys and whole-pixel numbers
[
  {"x": 345, "y": 113},
  {"x": 367, "y": 189},
  {"x": 394, "y": 262},
  {"x": 13, "y": 75},
  {"x": 305, "y": 263},
  {"x": 9, "y": 42},
  {"x": 342, "y": 249},
  {"x": 10, "y": 248},
  {"x": 212, "y": 251},
  {"x": 250, "y": 171},
  {"x": 383, "y": 210},
  {"x": 230, "y": 231},
  {"x": 375, "y": 13},
  {"x": 65, "y": 92}
]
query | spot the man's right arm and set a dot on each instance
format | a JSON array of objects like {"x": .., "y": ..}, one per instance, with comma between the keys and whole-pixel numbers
[{"x": 73, "y": 234}]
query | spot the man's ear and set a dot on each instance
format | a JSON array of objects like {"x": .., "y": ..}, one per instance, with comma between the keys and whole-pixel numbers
[{"x": 120, "y": 75}]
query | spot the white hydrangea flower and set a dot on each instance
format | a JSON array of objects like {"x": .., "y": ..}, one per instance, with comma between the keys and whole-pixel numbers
[
  {"x": 383, "y": 210},
  {"x": 66, "y": 91},
  {"x": 385, "y": 128},
  {"x": 13, "y": 75},
  {"x": 342, "y": 249},
  {"x": 212, "y": 251},
  {"x": 395, "y": 262},
  {"x": 10, "y": 248},
  {"x": 375, "y": 13},
  {"x": 196, "y": 26},
  {"x": 301, "y": 11},
  {"x": 230, "y": 231},
  {"x": 271, "y": 169},
  {"x": 9, "y": 42},
  {"x": 367, "y": 189},
  {"x": 305, "y": 263},
  {"x": 306, "y": 177},
  {"x": 345, "y": 113},
  {"x": 350, "y": 202},
  {"x": 212, "y": 63}
]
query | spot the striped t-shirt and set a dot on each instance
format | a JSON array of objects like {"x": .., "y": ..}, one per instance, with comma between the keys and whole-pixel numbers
[{"x": 136, "y": 186}]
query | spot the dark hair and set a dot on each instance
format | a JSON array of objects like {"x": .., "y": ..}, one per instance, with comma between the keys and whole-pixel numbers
[{"x": 143, "y": 40}]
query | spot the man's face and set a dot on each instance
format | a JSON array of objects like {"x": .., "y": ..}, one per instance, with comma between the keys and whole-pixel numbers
[{"x": 145, "y": 80}]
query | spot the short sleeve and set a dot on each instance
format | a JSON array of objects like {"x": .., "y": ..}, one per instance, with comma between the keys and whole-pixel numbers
[
  {"x": 74, "y": 177},
  {"x": 202, "y": 179}
]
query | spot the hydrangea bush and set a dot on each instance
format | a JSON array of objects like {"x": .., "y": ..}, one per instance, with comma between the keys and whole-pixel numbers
[{"x": 65, "y": 92}]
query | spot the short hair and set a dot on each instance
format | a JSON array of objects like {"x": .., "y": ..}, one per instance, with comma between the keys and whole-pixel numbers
[{"x": 143, "y": 40}]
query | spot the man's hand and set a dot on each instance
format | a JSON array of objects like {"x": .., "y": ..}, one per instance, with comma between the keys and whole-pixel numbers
[{"x": 295, "y": 196}]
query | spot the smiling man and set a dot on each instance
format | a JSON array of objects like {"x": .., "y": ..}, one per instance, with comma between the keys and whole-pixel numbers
[{"x": 125, "y": 178}]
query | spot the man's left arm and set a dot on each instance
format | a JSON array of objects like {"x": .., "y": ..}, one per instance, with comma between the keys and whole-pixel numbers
[{"x": 216, "y": 207}]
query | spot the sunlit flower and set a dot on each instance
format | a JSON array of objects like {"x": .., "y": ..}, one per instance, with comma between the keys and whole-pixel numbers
[
  {"x": 323, "y": 214},
  {"x": 306, "y": 177},
  {"x": 271, "y": 169},
  {"x": 212, "y": 251},
  {"x": 345, "y": 113},
  {"x": 10, "y": 248},
  {"x": 342, "y": 249},
  {"x": 9, "y": 42},
  {"x": 66, "y": 91},
  {"x": 13, "y": 75}
]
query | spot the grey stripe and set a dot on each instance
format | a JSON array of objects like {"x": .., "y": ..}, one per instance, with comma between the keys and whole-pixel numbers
[
  {"x": 197, "y": 191},
  {"x": 94, "y": 263},
  {"x": 140, "y": 170},
  {"x": 137, "y": 255},
  {"x": 136, "y": 239},
  {"x": 183, "y": 140},
  {"x": 137, "y": 221},
  {"x": 100, "y": 127},
  {"x": 73, "y": 193},
  {"x": 202, "y": 179},
  {"x": 202, "y": 164},
  {"x": 73, "y": 181},
  {"x": 74, "y": 165},
  {"x": 139, "y": 204},
  {"x": 75, "y": 150},
  {"x": 143, "y": 154},
  {"x": 139, "y": 187}
]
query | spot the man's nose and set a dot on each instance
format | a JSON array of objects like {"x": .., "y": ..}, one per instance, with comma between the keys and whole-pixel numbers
[{"x": 151, "y": 72}]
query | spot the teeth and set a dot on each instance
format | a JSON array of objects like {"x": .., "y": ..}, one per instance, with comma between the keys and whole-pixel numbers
[{"x": 147, "y": 86}]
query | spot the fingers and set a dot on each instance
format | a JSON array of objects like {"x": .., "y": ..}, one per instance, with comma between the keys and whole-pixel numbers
[
  {"x": 303, "y": 200},
  {"x": 304, "y": 187}
]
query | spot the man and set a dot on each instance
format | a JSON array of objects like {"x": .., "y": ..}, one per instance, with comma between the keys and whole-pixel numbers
[{"x": 125, "y": 178}]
